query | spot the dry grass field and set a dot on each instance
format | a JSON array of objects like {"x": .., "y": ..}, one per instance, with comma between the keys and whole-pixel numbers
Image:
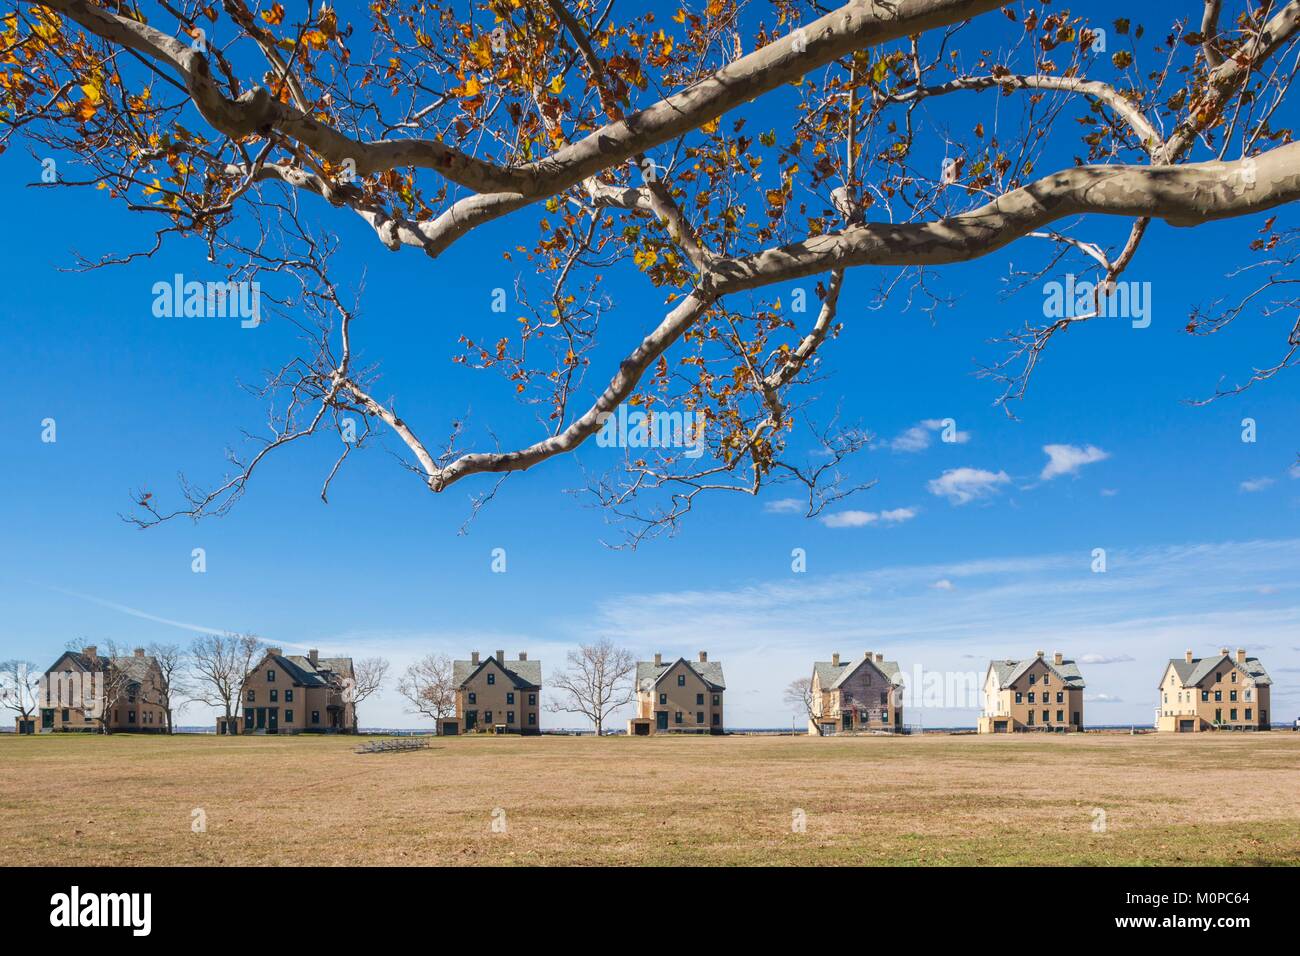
[{"x": 124, "y": 800}]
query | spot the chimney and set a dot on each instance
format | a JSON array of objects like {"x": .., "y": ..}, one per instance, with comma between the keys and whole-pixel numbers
[
  {"x": 867, "y": 655},
  {"x": 1188, "y": 656},
  {"x": 90, "y": 651},
  {"x": 1223, "y": 651},
  {"x": 1058, "y": 658},
  {"x": 139, "y": 652},
  {"x": 313, "y": 655},
  {"x": 835, "y": 659},
  {"x": 880, "y": 658},
  {"x": 704, "y": 657},
  {"x": 1241, "y": 655},
  {"x": 274, "y": 650},
  {"x": 659, "y": 660},
  {"x": 473, "y": 657},
  {"x": 523, "y": 655},
  {"x": 1039, "y": 653},
  {"x": 501, "y": 657}
]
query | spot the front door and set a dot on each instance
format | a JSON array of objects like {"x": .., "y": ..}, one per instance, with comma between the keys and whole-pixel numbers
[
  {"x": 471, "y": 720},
  {"x": 260, "y": 722},
  {"x": 847, "y": 717},
  {"x": 272, "y": 719},
  {"x": 47, "y": 720},
  {"x": 661, "y": 720}
]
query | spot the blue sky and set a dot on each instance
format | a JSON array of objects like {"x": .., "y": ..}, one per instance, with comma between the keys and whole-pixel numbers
[{"x": 1195, "y": 557}]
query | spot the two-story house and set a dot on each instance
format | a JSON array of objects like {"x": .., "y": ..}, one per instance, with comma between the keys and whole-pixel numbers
[
  {"x": 864, "y": 694},
  {"x": 292, "y": 694},
  {"x": 494, "y": 693},
  {"x": 88, "y": 691},
  {"x": 678, "y": 697},
  {"x": 1032, "y": 694},
  {"x": 1216, "y": 692}
]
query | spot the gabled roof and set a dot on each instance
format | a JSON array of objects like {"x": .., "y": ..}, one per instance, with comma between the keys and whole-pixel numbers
[
  {"x": 832, "y": 675},
  {"x": 1193, "y": 672},
  {"x": 80, "y": 660},
  {"x": 525, "y": 675},
  {"x": 1008, "y": 672},
  {"x": 649, "y": 674},
  {"x": 135, "y": 668},
  {"x": 302, "y": 671}
]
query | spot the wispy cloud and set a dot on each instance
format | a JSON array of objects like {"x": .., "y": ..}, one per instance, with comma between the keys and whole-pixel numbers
[
  {"x": 1256, "y": 484},
  {"x": 943, "y": 584},
  {"x": 1068, "y": 459},
  {"x": 1106, "y": 659},
  {"x": 962, "y": 485},
  {"x": 920, "y": 436},
  {"x": 784, "y": 506},
  {"x": 859, "y": 519}
]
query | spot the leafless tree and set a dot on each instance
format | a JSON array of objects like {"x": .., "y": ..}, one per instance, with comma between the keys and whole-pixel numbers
[
  {"x": 117, "y": 684},
  {"x": 799, "y": 695},
  {"x": 429, "y": 687},
  {"x": 597, "y": 682},
  {"x": 368, "y": 677},
  {"x": 20, "y": 684},
  {"x": 174, "y": 670},
  {"x": 630, "y": 141},
  {"x": 219, "y": 665}
]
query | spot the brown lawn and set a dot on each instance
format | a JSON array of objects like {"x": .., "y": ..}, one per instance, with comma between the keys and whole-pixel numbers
[{"x": 1202, "y": 799}]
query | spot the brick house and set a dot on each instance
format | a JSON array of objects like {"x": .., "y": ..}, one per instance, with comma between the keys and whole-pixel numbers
[
  {"x": 1032, "y": 694},
  {"x": 81, "y": 686},
  {"x": 678, "y": 697},
  {"x": 292, "y": 694},
  {"x": 497, "y": 693},
  {"x": 1220, "y": 692},
  {"x": 864, "y": 694}
]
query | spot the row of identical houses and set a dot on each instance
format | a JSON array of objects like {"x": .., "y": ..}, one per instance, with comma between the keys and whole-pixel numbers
[{"x": 305, "y": 694}]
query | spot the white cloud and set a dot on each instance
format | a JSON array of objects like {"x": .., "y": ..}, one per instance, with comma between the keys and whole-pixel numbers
[
  {"x": 1105, "y": 659},
  {"x": 943, "y": 584},
  {"x": 1294, "y": 471},
  {"x": 1256, "y": 484},
  {"x": 784, "y": 506},
  {"x": 1109, "y": 492},
  {"x": 859, "y": 519},
  {"x": 1068, "y": 459},
  {"x": 961, "y": 485},
  {"x": 918, "y": 437},
  {"x": 1103, "y": 699}
]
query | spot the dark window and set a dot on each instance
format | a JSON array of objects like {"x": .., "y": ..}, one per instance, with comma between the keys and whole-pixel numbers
[
  {"x": 1232, "y": 714},
  {"x": 492, "y": 678},
  {"x": 699, "y": 699},
  {"x": 663, "y": 698},
  {"x": 1205, "y": 695},
  {"x": 1248, "y": 713},
  {"x": 1060, "y": 697},
  {"x": 1031, "y": 696},
  {"x": 510, "y": 716},
  {"x": 288, "y": 716},
  {"x": 699, "y": 717},
  {"x": 487, "y": 716},
  {"x": 473, "y": 697},
  {"x": 1218, "y": 695},
  {"x": 681, "y": 680},
  {"x": 288, "y": 695},
  {"x": 532, "y": 700},
  {"x": 1234, "y": 677},
  {"x": 270, "y": 675},
  {"x": 1020, "y": 699},
  {"x": 717, "y": 719},
  {"x": 65, "y": 713},
  {"x": 884, "y": 699},
  {"x": 315, "y": 716},
  {"x": 1232, "y": 695},
  {"x": 532, "y": 718},
  {"x": 678, "y": 718},
  {"x": 1218, "y": 715},
  {"x": 275, "y": 695},
  {"x": 717, "y": 700},
  {"x": 1060, "y": 716},
  {"x": 130, "y": 716},
  {"x": 252, "y": 695},
  {"x": 1047, "y": 679},
  {"x": 510, "y": 698}
]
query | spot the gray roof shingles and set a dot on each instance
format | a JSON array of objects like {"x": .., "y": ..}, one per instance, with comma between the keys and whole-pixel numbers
[
  {"x": 1008, "y": 672},
  {"x": 648, "y": 672},
  {"x": 522, "y": 673},
  {"x": 831, "y": 675},
  {"x": 1191, "y": 674}
]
